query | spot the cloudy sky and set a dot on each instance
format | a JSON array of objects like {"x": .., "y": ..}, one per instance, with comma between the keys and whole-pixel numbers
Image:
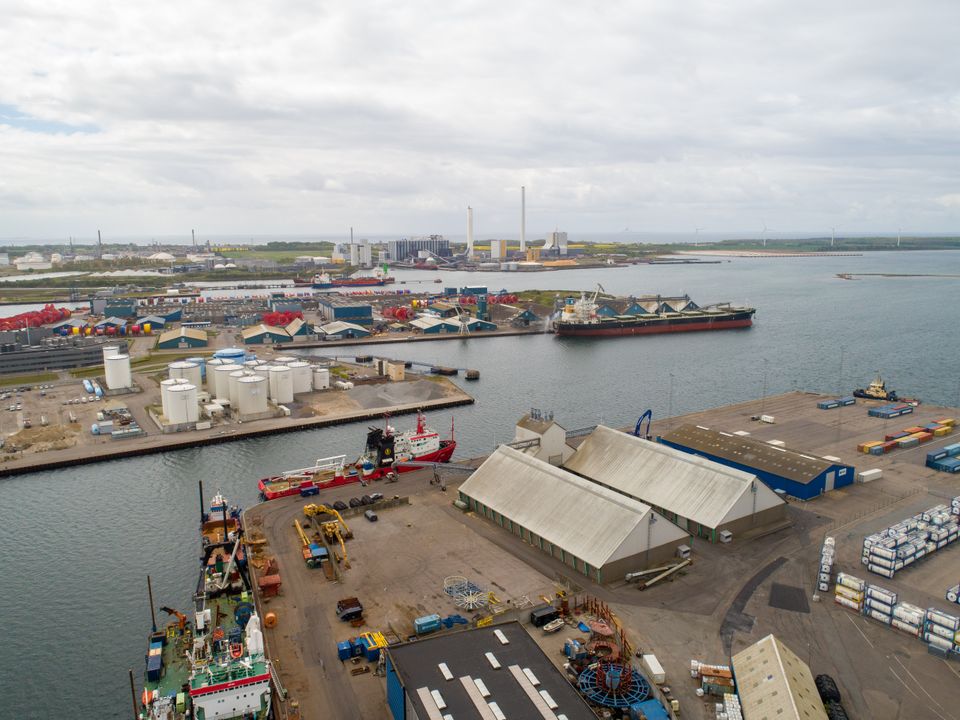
[{"x": 293, "y": 117}]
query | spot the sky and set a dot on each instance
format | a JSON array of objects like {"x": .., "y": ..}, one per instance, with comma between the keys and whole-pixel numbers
[{"x": 294, "y": 117}]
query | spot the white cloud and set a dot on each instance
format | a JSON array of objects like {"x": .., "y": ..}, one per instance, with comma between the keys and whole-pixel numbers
[{"x": 301, "y": 117}]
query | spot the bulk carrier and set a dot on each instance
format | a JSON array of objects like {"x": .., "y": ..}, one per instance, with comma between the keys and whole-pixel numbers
[{"x": 648, "y": 315}]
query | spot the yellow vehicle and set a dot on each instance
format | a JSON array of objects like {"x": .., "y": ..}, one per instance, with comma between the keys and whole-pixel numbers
[{"x": 331, "y": 530}]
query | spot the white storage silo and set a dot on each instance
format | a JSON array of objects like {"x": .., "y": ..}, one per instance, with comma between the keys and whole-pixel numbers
[
  {"x": 252, "y": 364},
  {"x": 109, "y": 351},
  {"x": 221, "y": 379},
  {"x": 281, "y": 384},
  {"x": 117, "y": 371},
  {"x": 182, "y": 404},
  {"x": 302, "y": 377},
  {"x": 187, "y": 370},
  {"x": 212, "y": 365},
  {"x": 321, "y": 378},
  {"x": 232, "y": 386},
  {"x": 165, "y": 386},
  {"x": 252, "y": 394},
  {"x": 283, "y": 360}
]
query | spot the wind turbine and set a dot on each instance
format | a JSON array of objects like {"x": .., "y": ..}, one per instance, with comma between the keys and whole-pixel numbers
[{"x": 764, "y": 234}]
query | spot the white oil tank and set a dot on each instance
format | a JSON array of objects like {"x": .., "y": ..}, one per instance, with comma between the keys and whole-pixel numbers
[
  {"x": 302, "y": 377},
  {"x": 281, "y": 384},
  {"x": 283, "y": 360},
  {"x": 165, "y": 386},
  {"x": 212, "y": 364},
  {"x": 221, "y": 379},
  {"x": 187, "y": 370},
  {"x": 117, "y": 371},
  {"x": 252, "y": 364},
  {"x": 233, "y": 393},
  {"x": 321, "y": 378},
  {"x": 252, "y": 394},
  {"x": 182, "y": 404},
  {"x": 109, "y": 351}
]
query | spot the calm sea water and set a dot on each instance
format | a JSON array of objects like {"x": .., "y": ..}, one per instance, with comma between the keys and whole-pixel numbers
[{"x": 78, "y": 543}]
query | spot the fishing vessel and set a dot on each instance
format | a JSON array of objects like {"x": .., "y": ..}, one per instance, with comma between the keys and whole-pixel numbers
[
  {"x": 210, "y": 664},
  {"x": 877, "y": 390},
  {"x": 385, "y": 452},
  {"x": 323, "y": 281},
  {"x": 648, "y": 315}
]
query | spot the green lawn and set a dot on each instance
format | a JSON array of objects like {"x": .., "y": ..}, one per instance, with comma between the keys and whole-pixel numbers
[{"x": 27, "y": 379}]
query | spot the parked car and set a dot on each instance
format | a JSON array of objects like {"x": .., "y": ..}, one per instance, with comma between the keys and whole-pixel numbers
[
  {"x": 355, "y": 502},
  {"x": 340, "y": 505},
  {"x": 370, "y": 515},
  {"x": 376, "y": 496}
]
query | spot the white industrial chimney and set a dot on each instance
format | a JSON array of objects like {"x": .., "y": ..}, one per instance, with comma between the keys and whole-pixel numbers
[
  {"x": 469, "y": 232},
  {"x": 523, "y": 219}
]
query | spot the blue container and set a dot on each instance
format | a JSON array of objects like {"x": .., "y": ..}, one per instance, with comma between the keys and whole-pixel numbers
[
  {"x": 876, "y": 450},
  {"x": 849, "y": 400},
  {"x": 344, "y": 650},
  {"x": 936, "y": 455},
  {"x": 426, "y": 624},
  {"x": 952, "y": 450}
]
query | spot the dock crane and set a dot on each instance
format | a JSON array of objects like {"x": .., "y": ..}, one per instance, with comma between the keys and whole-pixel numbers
[
  {"x": 600, "y": 289},
  {"x": 638, "y": 430},
  {"x": 181, "y": 618}
]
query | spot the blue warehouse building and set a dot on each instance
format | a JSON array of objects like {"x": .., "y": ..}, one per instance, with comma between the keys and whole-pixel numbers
[
  {"x": 795, "y": 473},
  {"x": 337, "y": 307}
]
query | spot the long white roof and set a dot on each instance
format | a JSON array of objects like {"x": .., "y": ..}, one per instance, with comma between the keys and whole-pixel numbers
[
  {"x": 591, "y": 522},
  {"x": 774, "y": 683},
  {"x": 701, "y": 490}
]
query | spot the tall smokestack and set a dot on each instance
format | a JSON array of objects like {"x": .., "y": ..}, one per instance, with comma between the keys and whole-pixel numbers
[
  {"x": 523, "y": 219},
  {"x": 469, "y": 232}
]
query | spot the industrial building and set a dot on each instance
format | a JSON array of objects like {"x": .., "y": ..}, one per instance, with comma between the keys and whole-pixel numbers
[
  {"x": 154, "y": 321},
  {"x": 795, "y": 473},
  {"x": 297, "y": 326},
  {"x": 405, "y": 249},
  {"x": 339, "y": 330},
  {"x": 335, "y": 307},
  {"x": 774, "y": 684},
  {"x": 182, "y": 338},
  {"x": 596, "y": 531},
  {"x": 54, "y": 354},
  {"x": 540, "y": 436},
  {"x": 453, "y": 675},
  {"x": 265, "y": 334},
  {"x": 702, "y": 497},
  {"x": 432, "y": 325}
]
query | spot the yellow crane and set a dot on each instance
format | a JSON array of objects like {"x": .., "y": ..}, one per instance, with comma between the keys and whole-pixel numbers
[{"x": 331, "y": 530}]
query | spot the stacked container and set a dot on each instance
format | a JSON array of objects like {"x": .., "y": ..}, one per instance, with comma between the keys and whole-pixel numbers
[
  {"x": 890, "y": 411},
  {"x": 946, "y": 459},
  {"x": 849, "y": 592},
  {"x": 731, "y": 707},
  {"x": 827, "y": 556},
  {"x": 908, "y": 618},
  {"x": 879, "y": 603},
  {"x": 892, "y": 549},
  {"x": 953, "y": 594},
  {"x": 941, "y": 629}
]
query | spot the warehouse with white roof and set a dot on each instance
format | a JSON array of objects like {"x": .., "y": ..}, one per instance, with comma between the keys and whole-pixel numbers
[
  {"x": 703, "y": 497},
  {"x": 598, "y": 532}
]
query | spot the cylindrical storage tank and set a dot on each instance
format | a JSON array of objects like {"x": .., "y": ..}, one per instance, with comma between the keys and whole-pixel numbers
[
  {"x": 182, "y": 401},
  {"x": 283, "y": 360},
  {"x": 187, "y": 370},
  {"x": 117, "y": 371},
  {"x": 302, "y": 377},
  {"x": 237, "y": 355},
  {"x": 202, "y": 362},
  {"x": 165, "y": 386},
  {"x": 212, "y": 365},
  {"x": 252, "y": 394},
  {"x": 252, "y": 364},
  {"x": 321, "y": 378},
  {"x": 232, "y": 392},
  {"x": 109, "y": 351},
  {"x": 281, "y": 384},
  {"x": 221, "y": 379}
]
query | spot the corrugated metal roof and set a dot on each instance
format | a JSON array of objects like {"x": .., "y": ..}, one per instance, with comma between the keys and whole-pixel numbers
[
  {"x": 262, "y": 329},
  {"x": 747, "y": 451},
  {"x": 693, "y": 487},
  {"x": 774, "y": 684},
  {"x": 539, "y": 426},
  {"x": 182, "y": 332},
  {"x": 585, "y": 519},
  {"x": 338, "y": 326}
]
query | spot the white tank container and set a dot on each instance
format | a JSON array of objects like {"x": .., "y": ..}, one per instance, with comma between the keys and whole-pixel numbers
[
  {"x": 109, "y": 351},
  {"x": 233, "y": 392},
  {"x": 281, "y": 384},
  {"x": 165, "y": 386},
  {"x": 117, "y": 371},
  {"x": 321, "y": 378},
  {"x": 212, "y": 365},
  {"x": 302, "y": 377},
  {"x": 182, "y": 404},
  {"x": 252, "y": 364},
  {"x": 221, "y": 379},
  {"x": 252, "y": 394},
  {"x": 283, "y": 360},
  {"x": 187, "y": 370}
]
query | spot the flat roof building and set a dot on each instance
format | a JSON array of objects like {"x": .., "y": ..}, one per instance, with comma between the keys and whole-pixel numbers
[
  {"x": 596, "y": 531},
  {"x": 774, "y": 684},
  {"x": 795, "y": 473},
  {"x": 701, "y": 496},
  {"x": 466, "y": 674}
]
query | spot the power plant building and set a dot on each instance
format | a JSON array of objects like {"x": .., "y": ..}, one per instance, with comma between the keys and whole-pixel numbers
[
  {"x": 410, "y": 248},
  {"x": 790, "y": 471},
  {"x": 702, "y": 497},
  {"x": 596, "y": 531}
]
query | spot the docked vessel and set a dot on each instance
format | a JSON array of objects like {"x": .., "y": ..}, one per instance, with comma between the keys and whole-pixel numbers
[
  {"x": 650, "y": 315},
  {"x": 877, "y": 390},
  {"x": 323, "y": 281},
  {"x": 385, "y": 451},
  {"x": 212, "y": 664}
]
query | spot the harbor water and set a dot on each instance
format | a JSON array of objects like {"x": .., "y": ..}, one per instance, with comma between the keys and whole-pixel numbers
[{"x": 78, "y": 543}]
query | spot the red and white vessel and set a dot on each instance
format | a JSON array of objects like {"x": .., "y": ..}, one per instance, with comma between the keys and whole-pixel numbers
[{"x": 386, "y": 451}]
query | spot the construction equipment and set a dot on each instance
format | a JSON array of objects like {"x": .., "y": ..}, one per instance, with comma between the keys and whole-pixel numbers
[
  {"x": 638, "y": 430},
  {"x": 315, "y": 509},
  {"x": 349, "y": 608},
  {"x": 181, "y": 618}
]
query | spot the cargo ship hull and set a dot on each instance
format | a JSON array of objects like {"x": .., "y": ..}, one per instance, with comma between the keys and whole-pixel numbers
[{"x": 654, "y": 326}]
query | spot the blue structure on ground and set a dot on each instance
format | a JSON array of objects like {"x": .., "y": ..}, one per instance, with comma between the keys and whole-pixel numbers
[
  {"x": 651, "y": 709},
  {"x": 613, "y": 684},
  {"x": 796, "y": 474}
]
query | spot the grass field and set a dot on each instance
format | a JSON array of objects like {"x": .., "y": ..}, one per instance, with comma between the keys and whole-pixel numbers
[{"x": 6, "y": 380}]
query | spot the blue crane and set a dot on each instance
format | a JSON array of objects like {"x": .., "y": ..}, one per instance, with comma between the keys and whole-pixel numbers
[{"x": 638, "y": 430}]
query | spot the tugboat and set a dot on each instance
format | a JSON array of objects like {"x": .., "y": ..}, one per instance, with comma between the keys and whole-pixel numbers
[
  {"x": 877, "y": 390},
  {"x": 385, "y": 452}
]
